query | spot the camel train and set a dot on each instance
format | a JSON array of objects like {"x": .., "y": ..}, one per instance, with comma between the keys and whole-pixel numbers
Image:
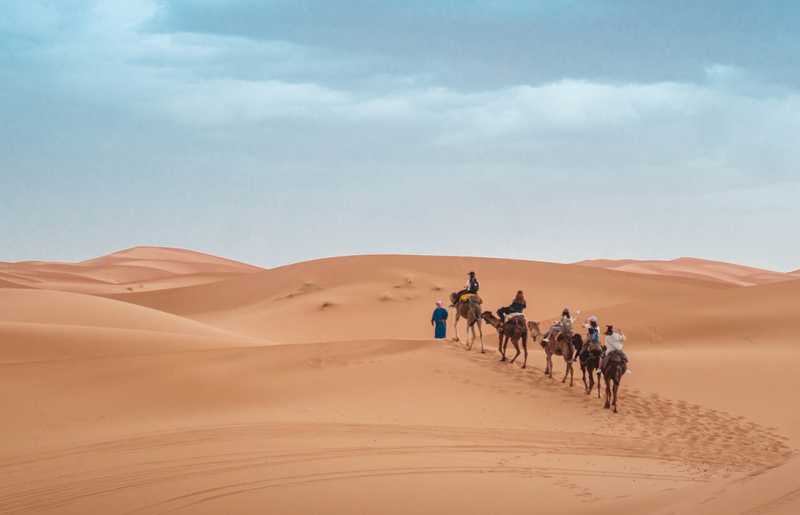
[{"x": 559, "y": 340}]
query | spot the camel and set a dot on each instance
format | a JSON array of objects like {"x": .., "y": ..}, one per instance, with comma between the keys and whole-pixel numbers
[
  {"x": 589, "y": 357},
  {"x": 560, "y": 346},
  {"x": 513, "y": 329},
  {"x": 612, "y": 374},
  {"x": 469, "y": 310}
]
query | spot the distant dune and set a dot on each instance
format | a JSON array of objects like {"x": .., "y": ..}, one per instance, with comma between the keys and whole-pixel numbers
[
  {"x": 388, "y": 296},
  {"x": 135, "y": 269},
  {"x": 161, "y": 380},
  {"x": 738, "y": 275}
]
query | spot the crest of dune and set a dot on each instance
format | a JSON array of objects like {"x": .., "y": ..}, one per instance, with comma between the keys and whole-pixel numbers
[
  {"x": 134, "y": 269},
  {"x": 738, "y": 275}
]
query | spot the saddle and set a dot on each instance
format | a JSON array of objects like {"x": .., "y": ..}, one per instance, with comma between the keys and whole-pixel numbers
[
  {"x": 616, "y": 357},
  {"x": 470, "y": 297},
  {"x": 619, "y": 359},
  {"x": 593, "y": 348},
  {"x": 591, "y": 353},
  {"x": 516, "y": 319}
]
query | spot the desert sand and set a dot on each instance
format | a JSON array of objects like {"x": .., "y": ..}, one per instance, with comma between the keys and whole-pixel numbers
[{"x": 168, "y": 381}]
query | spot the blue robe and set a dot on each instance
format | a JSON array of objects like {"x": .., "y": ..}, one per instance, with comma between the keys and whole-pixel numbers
[{"x": 439, "y": 320}]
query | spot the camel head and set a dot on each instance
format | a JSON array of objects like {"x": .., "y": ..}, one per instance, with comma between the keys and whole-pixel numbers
[
  {"x": 490, "y": 319},
  {"x": 533, "y": 327},
  {"x": 454, "y": 297}
]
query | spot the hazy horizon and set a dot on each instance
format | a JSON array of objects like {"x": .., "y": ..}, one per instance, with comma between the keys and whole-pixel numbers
[{"x": 275, "y": 132}]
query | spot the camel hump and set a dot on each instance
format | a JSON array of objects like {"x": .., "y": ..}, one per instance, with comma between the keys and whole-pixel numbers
[{"x": 471, "y": 298}]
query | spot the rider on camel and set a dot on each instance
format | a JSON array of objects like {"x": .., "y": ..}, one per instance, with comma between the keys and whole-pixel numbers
[
  {"x": 592, "y": 337},
  {"x": 517, "y": 306},
  {"x": 613, "y": 345},
  {"x": 562, "y": 327},
  {"x": 472, "y": 287},
  {"x": 593, "y": 331}
]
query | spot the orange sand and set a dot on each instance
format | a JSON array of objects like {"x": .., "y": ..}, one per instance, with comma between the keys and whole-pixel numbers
[{"x": 315, "y": 388}]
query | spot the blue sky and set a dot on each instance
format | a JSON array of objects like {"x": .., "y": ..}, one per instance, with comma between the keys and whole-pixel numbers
[{"x": 275, "y": 131}]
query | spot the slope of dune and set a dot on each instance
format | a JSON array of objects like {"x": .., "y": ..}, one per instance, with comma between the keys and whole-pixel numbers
[
  {"x": 738, "y": 275},
  {"x": 379, "y": 296},
  {"x": 48, "y": 307},
  {"x": 135, "y": 269},
  {"x": 758, "y": 315},
  {"x": 23, "y": 342}
]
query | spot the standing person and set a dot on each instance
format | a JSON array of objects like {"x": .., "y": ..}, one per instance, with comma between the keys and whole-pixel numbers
[
  {"x": 439, "y": 321},
  {"x": 472, "y": 286},
  {"x": 517, "y": 306}
]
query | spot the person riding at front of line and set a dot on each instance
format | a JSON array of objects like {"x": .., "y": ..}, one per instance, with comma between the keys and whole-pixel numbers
[
  {"x": 614, "y": 340},
  {"x": 518, "y": 305},
  {"x": 563, "y": 326},
  {"x": 472, "y": 286}
]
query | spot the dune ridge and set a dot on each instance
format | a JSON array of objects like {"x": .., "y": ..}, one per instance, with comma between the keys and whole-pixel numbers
[
  {"x": 133, "y": 269},
  {"x": 739, "y": 275}
]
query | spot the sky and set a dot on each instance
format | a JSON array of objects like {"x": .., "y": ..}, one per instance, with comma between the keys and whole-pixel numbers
[{"x": 274, "y": 131}]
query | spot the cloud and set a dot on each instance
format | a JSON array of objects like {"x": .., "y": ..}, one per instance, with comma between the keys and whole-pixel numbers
[
  {"x": 213, "y": 102},
  {"x": 164, "y": 93}
]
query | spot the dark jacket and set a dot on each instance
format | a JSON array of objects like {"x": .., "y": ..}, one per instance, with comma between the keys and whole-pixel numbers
[
  {"x": 473, "y": 285},
  {"x": 517, "y": 307}
]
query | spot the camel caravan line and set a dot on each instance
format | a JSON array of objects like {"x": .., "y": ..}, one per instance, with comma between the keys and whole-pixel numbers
[{"x": 559, "y": 340}]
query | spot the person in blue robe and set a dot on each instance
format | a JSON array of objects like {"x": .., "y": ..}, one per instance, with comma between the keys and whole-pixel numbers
[{"x": 439, "y": 321}]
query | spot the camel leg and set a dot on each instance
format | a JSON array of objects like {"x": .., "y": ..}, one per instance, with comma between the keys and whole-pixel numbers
[
  {"x": 455, "y": 326},
  {"x": 568, "y": 372},
  {"x": 525, "y": 348},
  {"x": 571, "y": 373},
  {"x": 608, "y": 392},
  {"x": 598, "y": 383},
  {"x": 548, "y": 371},
  {"x": 500, "y": 349},
  {"x": 516, "y": 349},
  {"x": 480, "y": 331},
  {"x": 583, "y": 378},
  {"x": 618, "y": 379},
  {"x": 470, "y": 339}
]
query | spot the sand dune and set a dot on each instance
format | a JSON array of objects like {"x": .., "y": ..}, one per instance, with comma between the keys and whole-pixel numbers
[
  {"x": 54, "y": 307},
  {"x": 22, "y": 342},
  {"x": 392, "y": 296},
  {"x": 172, "y": 400},
  {"x": 756, "y": 315},
  {"x": 738, "y": 275},
  {"x": 135, "y": 269}
]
